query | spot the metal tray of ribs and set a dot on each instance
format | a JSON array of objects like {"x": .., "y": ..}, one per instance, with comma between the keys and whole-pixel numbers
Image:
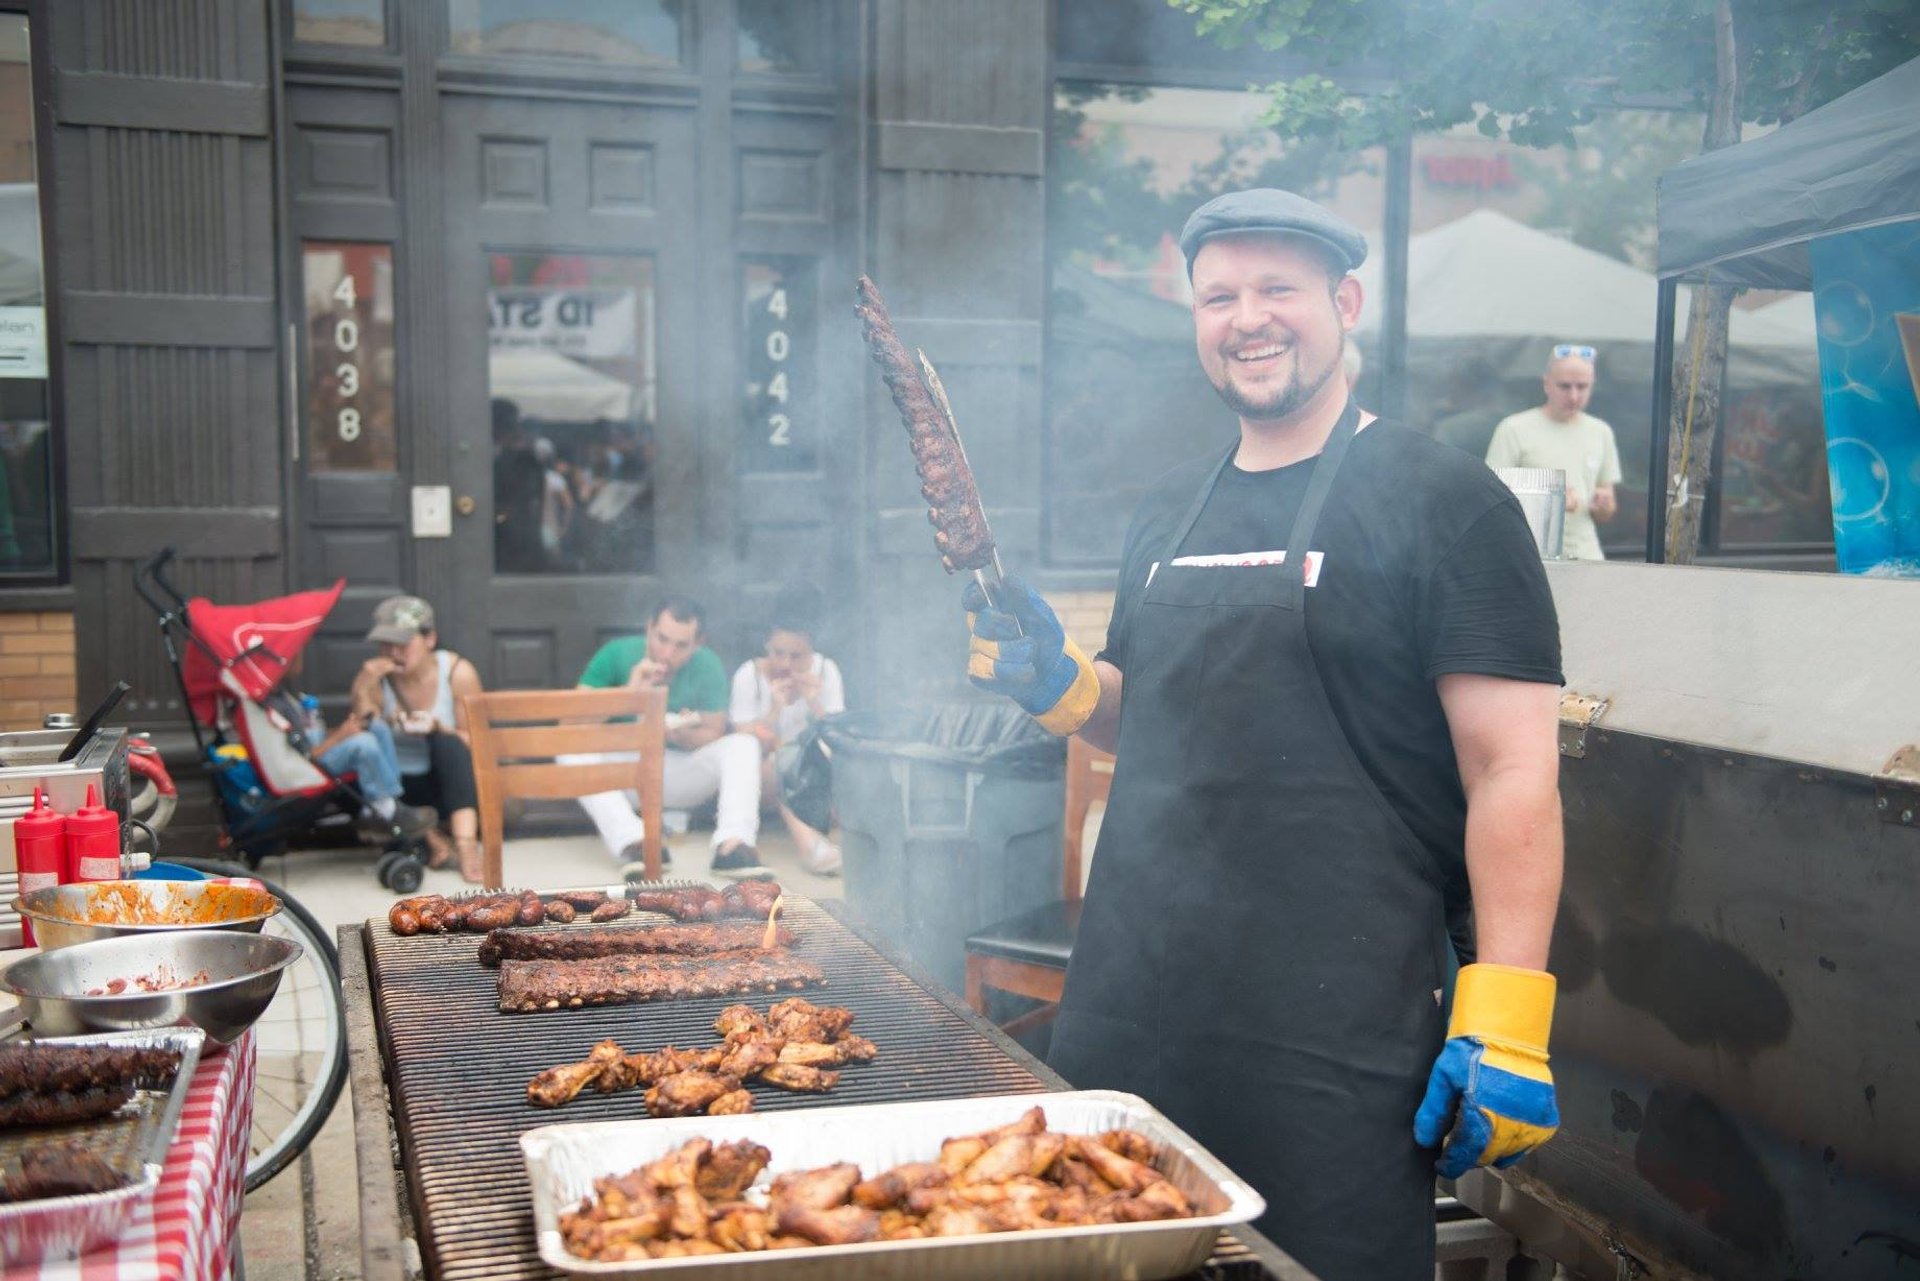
[
  {"x": 564, "y": 1161},
  {"x": 121, "y": 1151}
]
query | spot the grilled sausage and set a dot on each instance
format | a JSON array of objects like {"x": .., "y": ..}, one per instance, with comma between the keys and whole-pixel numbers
[
  {"x": 561, "y": 912},
  {"x": 403, "y": 920}
]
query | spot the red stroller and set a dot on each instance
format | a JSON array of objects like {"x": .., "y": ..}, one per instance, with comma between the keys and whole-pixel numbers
[{"x": 250, "y": 724}]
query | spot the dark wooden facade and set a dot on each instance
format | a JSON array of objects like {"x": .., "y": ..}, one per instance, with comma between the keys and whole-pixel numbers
[{"x": 196, "y": 147}]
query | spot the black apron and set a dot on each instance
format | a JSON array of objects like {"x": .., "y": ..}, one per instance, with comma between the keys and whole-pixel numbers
[{"x": 1263, "y": 937}]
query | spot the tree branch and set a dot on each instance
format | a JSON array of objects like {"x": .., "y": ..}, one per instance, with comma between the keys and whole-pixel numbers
[{"x": 1723, "y": 116}]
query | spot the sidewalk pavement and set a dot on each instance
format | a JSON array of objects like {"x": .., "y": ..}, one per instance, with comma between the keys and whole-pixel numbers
[{"x": 304, "y": 1225}]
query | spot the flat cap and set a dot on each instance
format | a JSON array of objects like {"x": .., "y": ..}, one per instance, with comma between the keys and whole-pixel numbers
[{"x": 1269, "y": 209}]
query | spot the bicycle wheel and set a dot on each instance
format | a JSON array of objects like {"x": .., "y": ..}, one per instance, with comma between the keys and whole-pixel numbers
[{"x": 300, "y": 1041}]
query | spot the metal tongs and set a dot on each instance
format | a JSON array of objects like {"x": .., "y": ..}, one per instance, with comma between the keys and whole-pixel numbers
[{"x": 991, "y": 577}]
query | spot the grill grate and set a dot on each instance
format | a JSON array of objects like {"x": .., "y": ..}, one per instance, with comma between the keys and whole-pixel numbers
[{"x": 458, "y": 1070}]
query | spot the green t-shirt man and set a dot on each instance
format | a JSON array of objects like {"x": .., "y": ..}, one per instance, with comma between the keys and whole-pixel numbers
[{"x": 699, "y": 686}]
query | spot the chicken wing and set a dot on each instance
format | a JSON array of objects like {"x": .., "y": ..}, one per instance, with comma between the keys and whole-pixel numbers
[
  {"x": 730, "y": 1170},
  {"x": 883, "y": 1191},
  {"x": 738, "y": 1019},
  {"x": 558, "y": 1085},
  {"x": 821, "y": 1189},
  {"x": 1125, "y": 1175},
  {"x": 842, "y": 1225},
  {"x": 688, "y": 1093},
  {"x": 749, "y": 1056},
  {"x": 801, "y": 1080},
  {"x": 732, "y": 1103}
]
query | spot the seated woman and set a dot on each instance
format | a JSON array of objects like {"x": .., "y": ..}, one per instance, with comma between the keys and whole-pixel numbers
[
  {"x": 775, "y": 698},
  {"x": 363, "y": 747},
  {"x": 415, "y": 687}
]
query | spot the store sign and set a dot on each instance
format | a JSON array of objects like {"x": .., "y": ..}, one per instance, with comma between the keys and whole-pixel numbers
[
  {"x": 1478, "y": 173},
  {"x": 23, "y": 342},
  {"x": 1866, "y": 302},
  {"x": 597, "y": 324}
]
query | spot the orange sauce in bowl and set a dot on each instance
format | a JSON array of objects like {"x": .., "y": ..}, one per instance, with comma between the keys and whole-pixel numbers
[{"x": 126, "y": 903}]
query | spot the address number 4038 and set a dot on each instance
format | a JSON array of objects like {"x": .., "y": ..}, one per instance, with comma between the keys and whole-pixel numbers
[{"x": 346, "y": 342}]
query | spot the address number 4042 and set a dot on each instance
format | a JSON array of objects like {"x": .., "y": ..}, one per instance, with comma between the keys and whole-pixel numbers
[{"x": 779, "y": 347}]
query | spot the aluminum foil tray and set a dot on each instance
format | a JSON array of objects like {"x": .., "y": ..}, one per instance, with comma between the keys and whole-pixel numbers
[
  {"x": 133, "y": 1140},
  {"x": 564, "y": 1160}
]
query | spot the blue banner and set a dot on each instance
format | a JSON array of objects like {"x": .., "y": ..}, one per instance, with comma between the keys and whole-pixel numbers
[{"x": 1866, "y": 299}]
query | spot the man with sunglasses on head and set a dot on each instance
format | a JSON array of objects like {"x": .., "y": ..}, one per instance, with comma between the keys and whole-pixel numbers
[{"x": 1561, "y": 434}]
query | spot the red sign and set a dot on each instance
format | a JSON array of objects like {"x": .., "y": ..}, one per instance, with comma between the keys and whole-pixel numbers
[{"x": 1483, "y": 173}]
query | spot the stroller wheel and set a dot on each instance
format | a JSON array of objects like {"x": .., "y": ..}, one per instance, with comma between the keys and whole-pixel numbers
[
  {"x": 403, "y": 875},
  {"x": 384, "y": 865}
]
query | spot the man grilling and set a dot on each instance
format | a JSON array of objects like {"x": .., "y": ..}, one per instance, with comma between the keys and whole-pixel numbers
[{"x": 1332, "y": 682}]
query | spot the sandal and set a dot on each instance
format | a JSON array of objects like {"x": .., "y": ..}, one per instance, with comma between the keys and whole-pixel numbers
[
  {"x": 439, "y": 849},
  {"x": 472, "y": 862}
]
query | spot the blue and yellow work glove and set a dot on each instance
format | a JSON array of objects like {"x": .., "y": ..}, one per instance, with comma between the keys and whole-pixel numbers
[
  {"x": 1490, "y": 1085},
  {"x": 1021, "y": 651}
]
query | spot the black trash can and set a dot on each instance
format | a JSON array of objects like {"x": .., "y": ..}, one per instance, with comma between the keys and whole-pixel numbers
[{"x": 950, "y": 820}]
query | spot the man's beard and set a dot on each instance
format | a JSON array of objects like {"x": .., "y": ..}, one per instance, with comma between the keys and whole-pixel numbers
[{"x": 1283, "y": 400}]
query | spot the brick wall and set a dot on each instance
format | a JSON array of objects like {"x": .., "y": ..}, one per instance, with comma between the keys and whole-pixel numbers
[
  {"x": 1084, "y": 615},
  {"x": 36, "y": 667}
]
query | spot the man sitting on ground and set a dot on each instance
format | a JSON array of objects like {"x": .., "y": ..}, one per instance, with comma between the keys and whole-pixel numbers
[{"x": 704, "y": 762}]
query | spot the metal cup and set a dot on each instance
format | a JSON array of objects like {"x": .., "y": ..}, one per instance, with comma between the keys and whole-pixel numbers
[{"x": 1542, "y": 492}]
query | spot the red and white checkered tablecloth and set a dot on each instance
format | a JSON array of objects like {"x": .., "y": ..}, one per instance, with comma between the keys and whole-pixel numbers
[{"x": 188, "y": 1229}]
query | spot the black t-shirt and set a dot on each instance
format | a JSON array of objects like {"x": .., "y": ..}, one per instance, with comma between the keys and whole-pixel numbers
[{"x": 1427, "y": 568}]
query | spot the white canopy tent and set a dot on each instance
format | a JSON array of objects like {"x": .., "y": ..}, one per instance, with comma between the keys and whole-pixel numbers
[
  {"x": 1487, "y": 276},
  {"x": 549, "y": 386}
]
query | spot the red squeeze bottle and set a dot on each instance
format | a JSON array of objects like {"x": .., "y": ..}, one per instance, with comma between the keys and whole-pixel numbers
[
  {"x": 39, "y": 851},
  {"x": 93, "y": 841}
]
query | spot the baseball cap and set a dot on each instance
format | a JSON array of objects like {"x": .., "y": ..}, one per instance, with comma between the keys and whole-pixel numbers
[
  {"x": 1273, "y": 210},
  {"x": 398, "y": 619}
]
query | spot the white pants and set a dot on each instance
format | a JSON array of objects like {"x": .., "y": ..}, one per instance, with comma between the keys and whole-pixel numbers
[{"x": 728, "y": 767}]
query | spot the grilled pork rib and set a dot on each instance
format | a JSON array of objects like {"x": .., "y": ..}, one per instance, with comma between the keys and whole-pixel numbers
[
  {"x": 946, "y": 481},
  {"x": 530, "y": 986},
  {"x": 581, "y": 945}
]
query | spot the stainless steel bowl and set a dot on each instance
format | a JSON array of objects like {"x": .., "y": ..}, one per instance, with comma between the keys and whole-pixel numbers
[
  {"x": 226, "y": 977},
  {"x": 63, "y": 915}
]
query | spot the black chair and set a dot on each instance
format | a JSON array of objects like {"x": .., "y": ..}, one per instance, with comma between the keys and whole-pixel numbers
[{"x": 1027, "y": 954}]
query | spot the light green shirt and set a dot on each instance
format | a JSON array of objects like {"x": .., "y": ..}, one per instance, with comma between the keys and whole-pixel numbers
[{"x": 1582, "y": 448}]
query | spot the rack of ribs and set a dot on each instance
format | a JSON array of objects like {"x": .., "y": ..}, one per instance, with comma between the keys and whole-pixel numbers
[
  {"x": 583, "y": 945},
  {"x": 531, "y": 986},
  {"x": 946, "y": 481},
  {"x": 56, "y": 1084}
]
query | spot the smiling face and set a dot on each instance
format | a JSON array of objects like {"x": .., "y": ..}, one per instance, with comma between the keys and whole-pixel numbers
[{"x": 1268, "y": 327}]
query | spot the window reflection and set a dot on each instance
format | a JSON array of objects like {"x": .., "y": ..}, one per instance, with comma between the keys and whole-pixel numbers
[
  {"x": 640, "y": 33},
  {"x": 26, "y": 445},
  {"x": 781, "y": 36},
  {"x": 352, "y": 22},
  {"x": 1126, "y": 399},
  {"x": 1515, "y": 249},
  {"x": 572, "y": 384}
]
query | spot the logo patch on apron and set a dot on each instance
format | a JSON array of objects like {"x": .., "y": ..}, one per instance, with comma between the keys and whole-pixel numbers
[{"x": 1244, "y": 560}]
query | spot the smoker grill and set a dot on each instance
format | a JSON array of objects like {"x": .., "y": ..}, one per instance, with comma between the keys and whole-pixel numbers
[{"x": 456, "y": 1071}]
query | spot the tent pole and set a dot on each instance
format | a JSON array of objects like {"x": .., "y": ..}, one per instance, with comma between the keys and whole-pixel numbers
[
  {"x": 1662, "y": 420},
  {"x": 1398, "y": 217}
]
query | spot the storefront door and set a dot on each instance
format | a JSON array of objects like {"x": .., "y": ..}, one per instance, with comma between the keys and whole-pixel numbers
[{"x": 574, "y": 352}]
